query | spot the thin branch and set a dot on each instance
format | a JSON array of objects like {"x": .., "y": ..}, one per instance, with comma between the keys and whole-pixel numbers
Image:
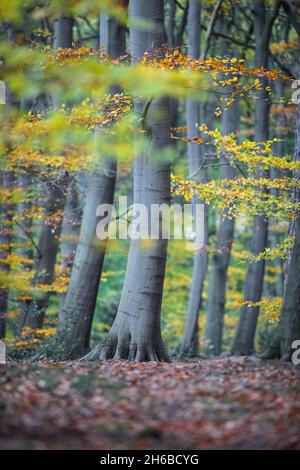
[
  {"x": 292, "y": 16},
  {"x": 283, "y": 67},
  {"x": 211, "y": 27},
  {"x": 182, "y": 26},
  {"x": 121, "y": 216},
  {"x": 144, "y": 116},
  {"x": 179, "y": 5},
  {"x": 87, "y": 38},
  {"x": 30, "y": 238},
  {"x": 252, "y": 47},
  {"x": 270, "y": 22},
  {"x": 87, "y": 21},
  {"x": 203, "y": 166},
  {"x": 234, "y": 40}
]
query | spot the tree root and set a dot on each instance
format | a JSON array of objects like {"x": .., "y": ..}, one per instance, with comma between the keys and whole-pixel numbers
[{"x": 119, "y": 348}]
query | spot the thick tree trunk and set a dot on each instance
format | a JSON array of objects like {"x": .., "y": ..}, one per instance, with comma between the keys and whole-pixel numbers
[
  {"x": 289, "y": 322},
  {"x": 73, "y": 332},
  {"x": 244, "y": 339},
  {"x": 135, "y": 334},
  {"x": 63, "y": 32},
  {"x": 190, "y": 341},
  {"x": 288, "y": 327},
  {"x": 75, "y": 319},
  {"x": 221, "y": 257}
]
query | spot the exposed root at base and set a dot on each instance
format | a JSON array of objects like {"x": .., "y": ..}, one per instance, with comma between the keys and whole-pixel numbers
[{"x": 123, "y": 348}]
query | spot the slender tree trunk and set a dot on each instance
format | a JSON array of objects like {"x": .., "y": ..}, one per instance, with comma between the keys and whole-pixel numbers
[
  {"x": 135, "y": 334},
  {"x": 221, "y": 257},
  {"x": 171, "y": 25},
  {"x": 244, "y": 339},
  {"x": 175, "y": 40},
  {"x": 75, "y": 319},
  {"x": 276, "y": 288},
  {"x": 24, "y": 232},
  {"x": 73, "y": 331},
  {"x": 7, "y": 180},
  {"x": 69, "y": 235},
  {"x": 69, "y": 231},
  {"x": 45, "y": 259},
  {"x": 190, "y": 341},
  {"x": 50, "y": 233}
]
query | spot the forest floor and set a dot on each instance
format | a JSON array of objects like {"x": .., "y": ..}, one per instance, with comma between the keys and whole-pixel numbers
[{"x": 240, "y": 403}]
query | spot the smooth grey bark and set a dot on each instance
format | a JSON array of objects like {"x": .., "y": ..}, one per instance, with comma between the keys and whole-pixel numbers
[
  {"x": 63, "y": 32},
  {"x": 221, "y": 257},
  {"x": 289, "y": 322},
  {"x": 280, "y": 345},
  {"x": 243, "y": 343},
  {"x": 73, "y": 332},
  {"x": 135, "y": 334},
  {"x": 190, "y": 341},
  {"x": 50, "y": 233}
]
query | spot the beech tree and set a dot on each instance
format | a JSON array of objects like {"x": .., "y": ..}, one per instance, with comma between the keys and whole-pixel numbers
[
  {"x": 289, "y": 321},
  {"x": 74, "y": 326},
  {"x": 135, "y": 334},
  {"x": 192, "y": 109},
  {"x": 244, "y": 339},
  {"x": 221, "y": 257},
  {"x": 190, "y": 340}
]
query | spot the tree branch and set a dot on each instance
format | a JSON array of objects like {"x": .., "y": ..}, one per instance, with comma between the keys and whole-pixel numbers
[
  {"x": 30, "y": 238},
  {"x": 292, "y": 17},
  {"x": 210, "y": 28}
]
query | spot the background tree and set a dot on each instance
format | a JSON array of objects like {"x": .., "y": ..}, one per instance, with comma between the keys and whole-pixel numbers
[
  {"x": 244, "y": 339},
  {"x": 74, "y": 326},
  {"x": 190, "y": 340},
  {"x": 50, "y": 232}
]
